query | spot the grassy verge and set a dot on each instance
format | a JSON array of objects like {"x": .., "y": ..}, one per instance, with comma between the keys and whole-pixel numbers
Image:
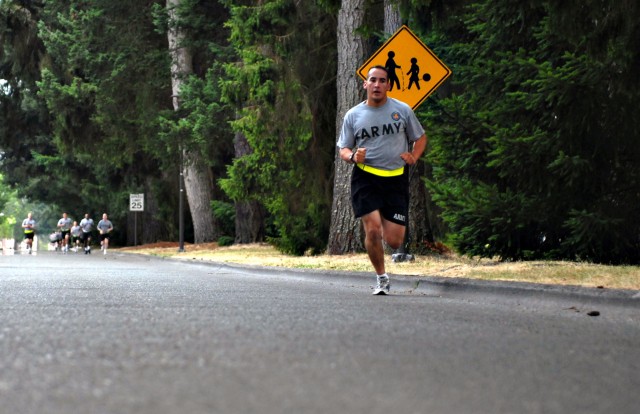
[{"x": 545, "y": 272}]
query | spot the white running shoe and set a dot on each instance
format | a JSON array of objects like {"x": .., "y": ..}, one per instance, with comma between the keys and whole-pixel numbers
[{"x": 383, "y": 286}]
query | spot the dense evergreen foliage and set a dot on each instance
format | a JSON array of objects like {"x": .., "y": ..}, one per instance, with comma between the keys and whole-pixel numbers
[
  {"x": 286, "y": 114},
  {"x": 535, "y": 154},
  {"x": 532, "y": 143}
]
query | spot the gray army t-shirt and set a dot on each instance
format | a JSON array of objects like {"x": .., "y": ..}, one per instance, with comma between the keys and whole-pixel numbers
[{"x": 384, "y": 131}]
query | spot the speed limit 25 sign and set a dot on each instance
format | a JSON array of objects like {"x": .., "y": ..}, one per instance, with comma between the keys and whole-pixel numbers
[{"x": 136, "y": 202}]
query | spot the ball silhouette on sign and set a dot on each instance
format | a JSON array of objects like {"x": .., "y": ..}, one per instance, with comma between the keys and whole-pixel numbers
[{"x": 426, "y": 77}]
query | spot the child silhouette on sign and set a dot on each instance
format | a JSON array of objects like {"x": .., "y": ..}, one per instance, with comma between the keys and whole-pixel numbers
[
  {"x": 414, "y": 72},
  {"x": 391, "y": 69}
]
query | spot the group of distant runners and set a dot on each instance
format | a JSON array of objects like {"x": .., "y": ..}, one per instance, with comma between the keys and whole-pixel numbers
[{"x": 71, "y": 233}]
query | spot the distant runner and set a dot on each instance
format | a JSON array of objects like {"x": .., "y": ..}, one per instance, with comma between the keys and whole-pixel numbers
[
  {"x": 105, "y": 227},
  {"x": 29, "y": 226},
  {"x": 76, "y": 235},
  {"x": 64, "y": 225},
  {"x": 86, "y": 224}
]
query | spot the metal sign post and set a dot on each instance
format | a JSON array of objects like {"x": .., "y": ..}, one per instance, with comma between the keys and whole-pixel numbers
[{"x": 136, "y": 204}]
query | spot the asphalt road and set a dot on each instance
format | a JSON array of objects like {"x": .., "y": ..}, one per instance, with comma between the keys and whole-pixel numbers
[{"x": 128, "y": 334}]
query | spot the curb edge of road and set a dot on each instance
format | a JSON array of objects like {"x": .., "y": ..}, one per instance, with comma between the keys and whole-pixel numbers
[
  {"x": 450, "y": 286},
  {"x": 439, "y": 285}
]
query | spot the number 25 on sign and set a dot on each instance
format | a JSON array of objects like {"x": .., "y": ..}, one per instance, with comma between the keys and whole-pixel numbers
[{"x": 136, "y": 202}]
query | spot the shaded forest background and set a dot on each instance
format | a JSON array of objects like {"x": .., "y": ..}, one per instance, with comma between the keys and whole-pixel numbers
[{"x": 533, "y": 142}]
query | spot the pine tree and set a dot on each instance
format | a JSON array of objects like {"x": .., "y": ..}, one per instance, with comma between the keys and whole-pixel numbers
[
  {"x": 102, "y": 83},
  {"x": 534, "y": 155},
  {"x": 285, "y": 113}
]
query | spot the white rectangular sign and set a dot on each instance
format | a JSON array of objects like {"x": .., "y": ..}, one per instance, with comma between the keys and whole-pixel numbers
[{"x": 136, "y": 202}]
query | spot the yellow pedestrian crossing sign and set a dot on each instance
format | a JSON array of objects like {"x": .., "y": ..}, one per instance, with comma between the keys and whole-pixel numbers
[{"x": 414, "y": 70}]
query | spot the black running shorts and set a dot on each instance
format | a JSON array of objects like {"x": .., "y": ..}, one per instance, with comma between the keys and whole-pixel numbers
[{"x": 390, "y": 195}]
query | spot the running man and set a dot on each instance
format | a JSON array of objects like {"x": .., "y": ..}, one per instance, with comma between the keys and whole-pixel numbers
[
  {"x": 76, "y": 235},
  {"x": 64, "y": 225},
  {"x": 375, "y": 137},
  {"x": 86, "y": 224},
  {"x": 105, "y": 227},
  {"x": 29, "y": 226}
]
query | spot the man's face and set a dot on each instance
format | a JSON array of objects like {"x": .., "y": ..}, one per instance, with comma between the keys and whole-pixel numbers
[{"x": 376, "y": 86}]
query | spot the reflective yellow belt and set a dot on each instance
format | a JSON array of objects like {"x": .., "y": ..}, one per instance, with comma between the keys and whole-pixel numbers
[{"x": 379, "y": 172}]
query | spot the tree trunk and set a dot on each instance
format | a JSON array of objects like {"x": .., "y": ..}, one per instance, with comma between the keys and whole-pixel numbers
[
  {"x": 345, "y": 232},
  {"x": 198, "y": 184},
  {"x": 250, "y": 225},
  {"x": 250, "y": 214},
  {"x": 197, "y": 179},
  {"x": 392, "y": 18},
  {"x": 419, "y": 229}
]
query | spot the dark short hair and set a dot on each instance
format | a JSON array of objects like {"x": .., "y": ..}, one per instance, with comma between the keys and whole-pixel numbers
[{"x": 378, "y": 67}]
